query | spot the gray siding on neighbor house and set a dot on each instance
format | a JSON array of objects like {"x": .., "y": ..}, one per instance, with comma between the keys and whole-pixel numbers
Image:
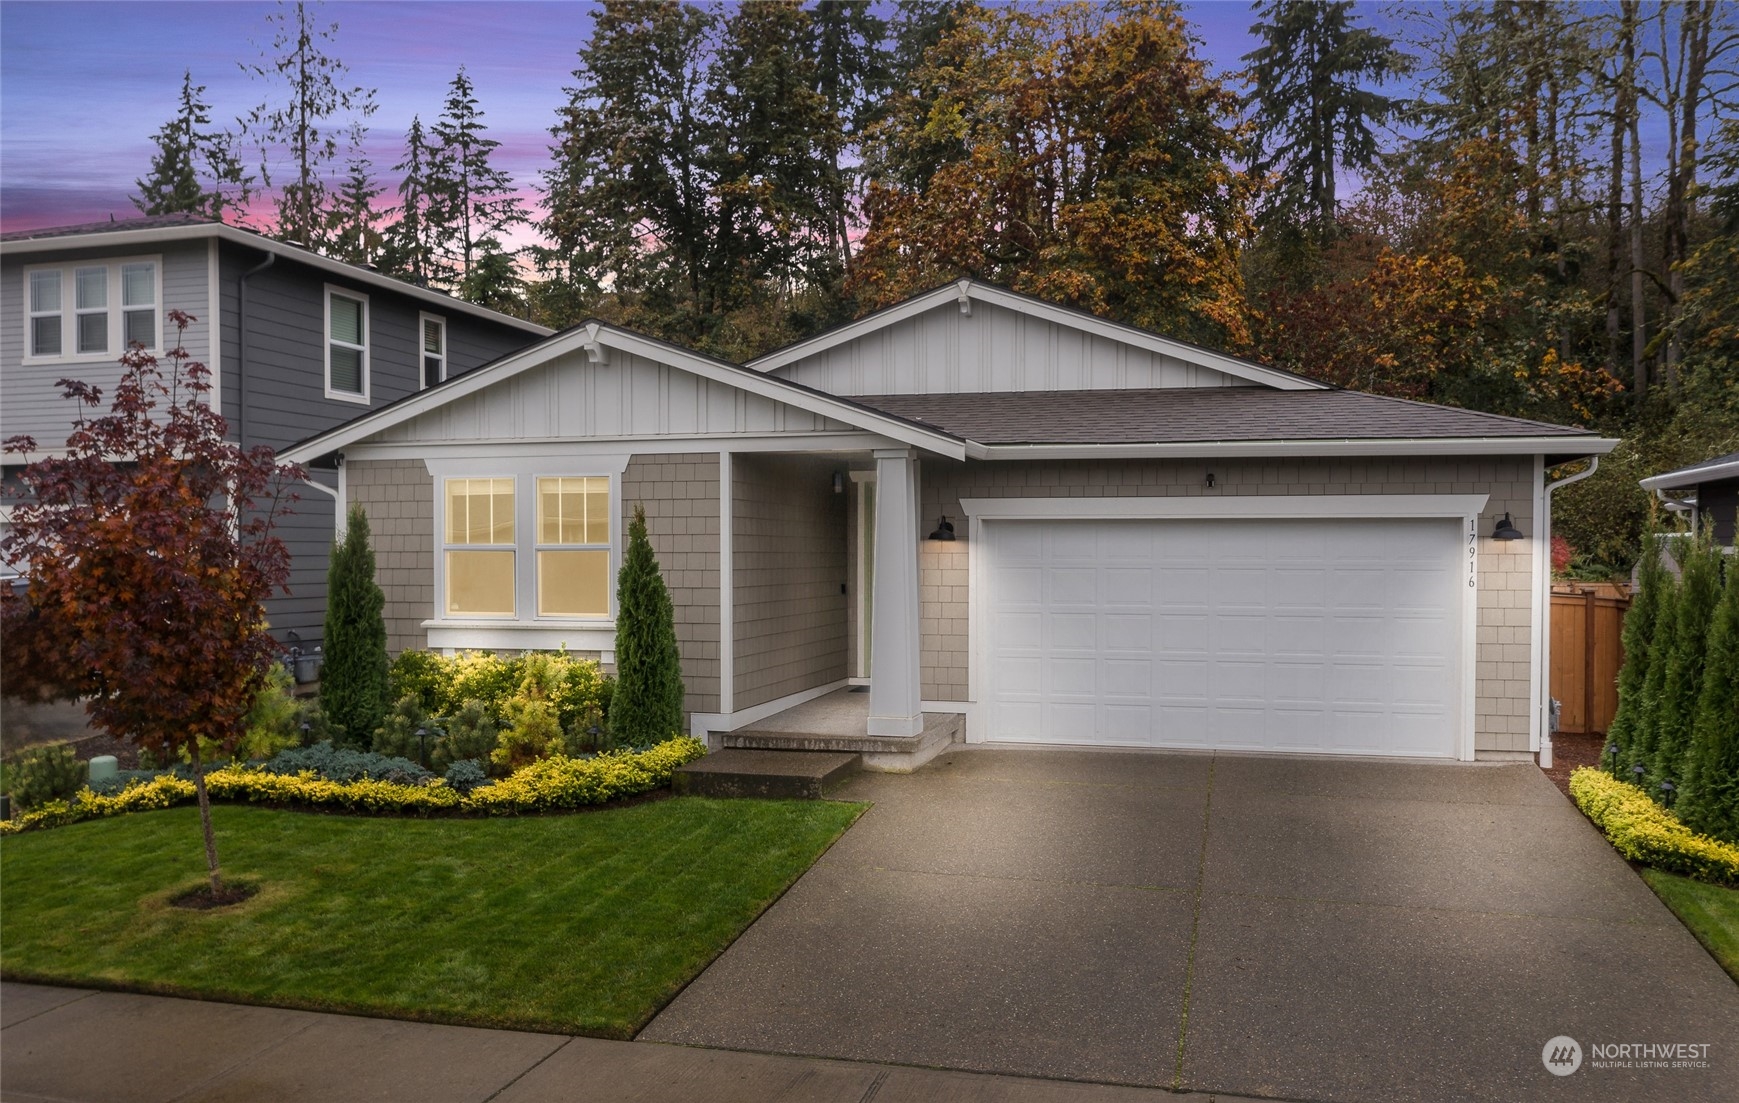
[{"x": 30, "y": 399}]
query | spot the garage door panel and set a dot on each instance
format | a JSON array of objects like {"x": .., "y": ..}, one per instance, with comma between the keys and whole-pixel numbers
[{"x": 1338, "y": 636}]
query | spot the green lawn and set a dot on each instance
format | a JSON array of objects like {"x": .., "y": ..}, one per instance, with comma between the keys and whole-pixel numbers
[
  {"x": 1710, "y": 911},
  {"x": 582, "y": 923}
]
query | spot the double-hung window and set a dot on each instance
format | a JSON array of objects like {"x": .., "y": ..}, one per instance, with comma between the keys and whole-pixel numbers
[
  {"x": 480, "y": 556},
  {"x": 573, "y": 546},
  {"x": 434, "y": 335},
  {"x": 346, "y": 345},
  {"x": 554, "y": 563},
  {"x": 92, "y": 311}
]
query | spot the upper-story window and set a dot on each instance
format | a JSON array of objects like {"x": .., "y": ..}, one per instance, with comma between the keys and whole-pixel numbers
[
  {"x": 434, "y": 336},
  {"x": 346, "y": 345},
  {"x": 92, "y": 311}
]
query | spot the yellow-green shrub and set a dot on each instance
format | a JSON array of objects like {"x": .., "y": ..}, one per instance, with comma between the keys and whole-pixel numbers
[
  {"x": 1643, "y": 831},
  {"x": 547, "y": 785}
]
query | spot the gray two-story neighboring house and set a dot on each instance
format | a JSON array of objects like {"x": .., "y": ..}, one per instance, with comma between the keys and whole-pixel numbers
[{"x": 302, "y": 343}]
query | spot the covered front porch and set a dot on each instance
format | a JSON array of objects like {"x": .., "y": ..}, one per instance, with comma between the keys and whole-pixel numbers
[{"x": 819, "y": 608}]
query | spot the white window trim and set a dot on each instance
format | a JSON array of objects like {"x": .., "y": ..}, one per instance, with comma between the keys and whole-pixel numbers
[
  {"x": 1464, "y": 508},
  {"x": 525, "y": 628},
  {"x": 423, "y": 319},
  {"x": 68, "y": 312},
  {"x": 367, "y": 343}
]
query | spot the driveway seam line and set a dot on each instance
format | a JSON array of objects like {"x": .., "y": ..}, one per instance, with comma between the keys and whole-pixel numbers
[
  {"x": 49, "y": 1010},
  {"x": 1338, "y": 902},
  {"x": 282, "y": 1040},
  {"x": 523, "y": 1073},
  {"x": 1189, "y": 975}
]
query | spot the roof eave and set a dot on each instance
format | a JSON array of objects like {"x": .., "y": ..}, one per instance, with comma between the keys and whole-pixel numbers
[
  {"x": 1214, "y": 449},
  {"x": 199, "y": 231},
  {"x": 1692, "y": 476}
]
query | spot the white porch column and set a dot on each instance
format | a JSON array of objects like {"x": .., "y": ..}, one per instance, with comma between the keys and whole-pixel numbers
[{"x": 895, "y": 706}]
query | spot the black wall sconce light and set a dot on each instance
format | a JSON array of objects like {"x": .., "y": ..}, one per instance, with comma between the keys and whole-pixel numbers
[
  {"x": 839, "y": 482},
  {"x": 944, "y": 529},
  {"x": 1506, "y": 529}
]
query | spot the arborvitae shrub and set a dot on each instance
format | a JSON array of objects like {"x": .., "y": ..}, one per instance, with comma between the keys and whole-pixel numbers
[
  {"x": 647, "y": 705},
  {"x": 1709, "y": 802},
  {"x": 353, "y": 681}
]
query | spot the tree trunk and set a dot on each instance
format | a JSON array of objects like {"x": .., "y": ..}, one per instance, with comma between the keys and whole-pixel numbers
[
  {"x": 1694, "y": 24},
  {"x": 205, "y": 821},
  {"x": 1638, "y": 315},
  {"x": 1615, "y": 230}
]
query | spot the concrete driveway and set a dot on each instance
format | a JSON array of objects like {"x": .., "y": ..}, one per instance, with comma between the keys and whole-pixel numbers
[{"x": 1302, "y": 929}]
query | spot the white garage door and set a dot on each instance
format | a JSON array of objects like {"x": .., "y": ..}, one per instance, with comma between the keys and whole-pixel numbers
[{"x": 1338, "y": 637}]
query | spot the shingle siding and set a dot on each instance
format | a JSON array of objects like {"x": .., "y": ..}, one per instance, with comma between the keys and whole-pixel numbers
[
  {"x": 681, "y": 496},
  {"x": 399, "y": 498},
  {"x": 789, "y": 564},
  {"x": 1505, "y": 569}
]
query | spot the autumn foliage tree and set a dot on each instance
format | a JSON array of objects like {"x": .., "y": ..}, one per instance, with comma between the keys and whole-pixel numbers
[
  {"x": 1083, "y": 154},
  {"x": 148, "y": 550}
]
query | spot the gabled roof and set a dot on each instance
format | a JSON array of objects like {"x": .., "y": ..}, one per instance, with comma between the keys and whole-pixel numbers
[
  {"x": 964, "y": 292},
  {"x": 132, "y": 232},
  {"x": 594, "y": 338},
  {"x": 1721, "y": 467}
]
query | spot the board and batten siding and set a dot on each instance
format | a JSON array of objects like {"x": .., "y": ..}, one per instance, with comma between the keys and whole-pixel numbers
[
  {"x": 1505, "y": 599},
  {"x": 30, "y": 399},
  {"x": 943, "y": 351},
  {"x": 571, "y": 398},
  {"x": 788, "y": 552}
]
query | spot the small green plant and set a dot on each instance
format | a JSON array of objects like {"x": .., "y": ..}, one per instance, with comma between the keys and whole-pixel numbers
[
  {"x": 397, "y": 735},
  {"x": 37, "y": 775},
  {"x": 271, "y": 723},
  {"x": 465, "y": 775},
  {"x": 533, "y": 734},
  {"x": 470, "y": 734},
  {"x": 310, "y": 723}
]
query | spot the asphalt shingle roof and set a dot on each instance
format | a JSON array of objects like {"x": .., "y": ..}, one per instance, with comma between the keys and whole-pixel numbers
[
  {"x": 1194, "y": 415},
  {"x": 143, "y": 222}
]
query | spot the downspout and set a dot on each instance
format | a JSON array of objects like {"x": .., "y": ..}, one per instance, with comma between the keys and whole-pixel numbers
[
  {"x": 1545, "y": 613},
  {"x": 241, "y": 359}
]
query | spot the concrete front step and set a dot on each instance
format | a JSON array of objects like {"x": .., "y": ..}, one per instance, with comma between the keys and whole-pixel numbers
[{"x": 786, "y": 775}]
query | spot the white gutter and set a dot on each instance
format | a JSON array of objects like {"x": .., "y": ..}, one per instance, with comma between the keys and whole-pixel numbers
[
  {"x": 1387, "y": 446},
  {"x": 1686, "y": 477},
  {"x": 1545, "y": 705},
  {"x": 337, "y": 497}
]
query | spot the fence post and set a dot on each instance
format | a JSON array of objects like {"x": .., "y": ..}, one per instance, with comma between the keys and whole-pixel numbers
[{"x": 1588, "y": 629}]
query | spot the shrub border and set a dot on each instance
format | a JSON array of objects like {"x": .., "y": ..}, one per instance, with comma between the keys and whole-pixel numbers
[
  {"x": 1643, "y": 831},
  {"x": 552, "y": 784}
]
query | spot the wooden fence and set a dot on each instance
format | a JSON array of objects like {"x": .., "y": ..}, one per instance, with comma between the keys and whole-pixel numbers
[{"x": 1587, "y": 620}]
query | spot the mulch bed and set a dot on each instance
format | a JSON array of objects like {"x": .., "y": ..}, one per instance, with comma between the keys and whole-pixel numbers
[
  {"x": 203, "y": 899},
  {"x": 1571, "y": 751}
]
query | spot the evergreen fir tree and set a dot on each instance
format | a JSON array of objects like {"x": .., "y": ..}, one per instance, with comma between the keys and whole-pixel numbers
[
  {"x": 471, "y": 202},
  {"x": 647, "y": 705},
  {"x": 409, "y": 245},
  {"x": 1639, "y": 750},
  {"x": 353, "y": 681},
  {"x": 1709, "y": 802},
  {"x": 1682, "y": 688},
  {"x": 1312, "y": 113},
  {"x": 195, "y": 170},
  {"x": 354, "y": 236},
  {"x": 1638, "y": 640}
]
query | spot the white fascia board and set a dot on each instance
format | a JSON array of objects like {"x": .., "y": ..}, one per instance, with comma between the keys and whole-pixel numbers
[
  {"x": 119, "y": 238},
  {"x": 1059, "y": 315},
  {"x": 1246, "y": 506},
  {"x": 1399, "y": 446},
  {"x": 780, "y": 391},
  {"x": 796, "y": 442},
  {"x": 1675, "y": 480},
  {"x": 360, "y": 429}
]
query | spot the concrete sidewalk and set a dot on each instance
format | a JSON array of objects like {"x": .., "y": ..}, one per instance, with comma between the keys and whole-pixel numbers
[{"x": 66, "y": 1044}]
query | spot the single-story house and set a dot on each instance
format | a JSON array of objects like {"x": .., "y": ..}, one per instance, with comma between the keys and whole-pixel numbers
[
  {"x": 1010, "y": 520},
  {"x": 1709, "y": 491}
]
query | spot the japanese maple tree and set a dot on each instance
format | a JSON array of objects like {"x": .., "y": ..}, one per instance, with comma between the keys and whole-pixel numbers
[{"x": 148, "y": 549}]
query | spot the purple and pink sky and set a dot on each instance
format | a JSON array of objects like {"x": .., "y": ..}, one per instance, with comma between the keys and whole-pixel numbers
[{"x": 84, "y": 85}]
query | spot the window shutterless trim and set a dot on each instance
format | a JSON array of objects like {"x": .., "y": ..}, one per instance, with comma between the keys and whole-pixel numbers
[
  {"x": 423, "y": 353},
  {"x": 328, "y": 341},
  {"x": 113, "y": 310}
]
